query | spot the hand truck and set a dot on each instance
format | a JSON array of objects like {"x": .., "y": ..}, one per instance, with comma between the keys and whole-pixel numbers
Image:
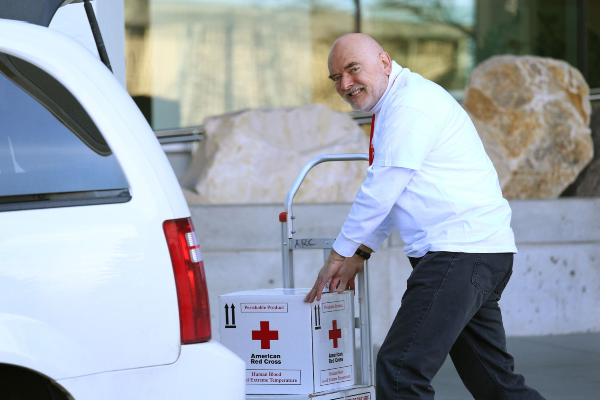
[{"x": 364, "y": 388}]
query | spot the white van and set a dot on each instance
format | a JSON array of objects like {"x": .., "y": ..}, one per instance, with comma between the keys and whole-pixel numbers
[{"x": 102, "y": 287}]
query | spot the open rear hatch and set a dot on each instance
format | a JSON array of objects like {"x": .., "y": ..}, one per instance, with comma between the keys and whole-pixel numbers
[{"x": 41, "y": 12}]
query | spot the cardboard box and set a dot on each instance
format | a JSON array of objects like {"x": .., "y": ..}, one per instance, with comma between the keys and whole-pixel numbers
[{"x": 289, "y": 346}]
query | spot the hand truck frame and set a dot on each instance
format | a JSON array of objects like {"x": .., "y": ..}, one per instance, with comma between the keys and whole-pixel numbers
[{"x": 363, "y": 321}]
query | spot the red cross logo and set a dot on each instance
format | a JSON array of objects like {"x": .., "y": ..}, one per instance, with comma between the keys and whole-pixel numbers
[
  {"x": 265, "y": 335},
  {"x": 335, "y": 334}
]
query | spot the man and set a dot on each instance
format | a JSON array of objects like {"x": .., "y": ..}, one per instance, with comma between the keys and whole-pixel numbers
[{"x": 431, "y": 178}]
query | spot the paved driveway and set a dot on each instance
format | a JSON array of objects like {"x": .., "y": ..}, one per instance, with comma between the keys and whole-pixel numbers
[{"x": 564, "y": 367}]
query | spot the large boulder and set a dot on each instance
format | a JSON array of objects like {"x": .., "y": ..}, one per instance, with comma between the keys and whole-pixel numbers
[
  {"x": 253, "y": 156},
  {"x": 533, "y": 117}
]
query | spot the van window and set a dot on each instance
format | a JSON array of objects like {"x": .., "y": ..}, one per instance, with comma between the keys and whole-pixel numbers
[{"x": 51, "y": 152}]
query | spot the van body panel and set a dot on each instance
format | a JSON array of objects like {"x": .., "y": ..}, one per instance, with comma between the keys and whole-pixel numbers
[
  {"x": 217, "y": 374},
  {"x": 92, "y": 286}
]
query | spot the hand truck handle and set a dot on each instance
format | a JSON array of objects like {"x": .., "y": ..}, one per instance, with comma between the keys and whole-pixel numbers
[
  {"x": 287, "y": 217},
  {"x": 304, "y": 171},
  {"x": 287, "y": 232}
]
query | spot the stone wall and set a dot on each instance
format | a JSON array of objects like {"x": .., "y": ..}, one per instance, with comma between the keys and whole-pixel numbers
[{"x": 555, "y": 287}]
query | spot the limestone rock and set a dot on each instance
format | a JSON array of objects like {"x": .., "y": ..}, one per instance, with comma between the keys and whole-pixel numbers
[
  {"x": 533, "y": 117},
  {"x": 254, "y": 156}
]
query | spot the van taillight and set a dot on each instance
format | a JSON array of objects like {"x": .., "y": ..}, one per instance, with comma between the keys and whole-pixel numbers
[{"x": 190, "y": 281}]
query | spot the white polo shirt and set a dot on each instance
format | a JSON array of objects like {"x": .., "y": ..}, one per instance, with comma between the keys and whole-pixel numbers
[{"x": 431, "y": 178}]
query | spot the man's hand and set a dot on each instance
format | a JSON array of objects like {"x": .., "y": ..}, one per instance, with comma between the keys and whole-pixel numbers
[
  {"x": 344, "y": 278},
  {"x": 340, "y": 270}
]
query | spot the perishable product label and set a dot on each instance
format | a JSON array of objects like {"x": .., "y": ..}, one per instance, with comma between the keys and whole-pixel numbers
[
  {"x": 264, "y": 307},
  {"x": 333, "y": 306}
]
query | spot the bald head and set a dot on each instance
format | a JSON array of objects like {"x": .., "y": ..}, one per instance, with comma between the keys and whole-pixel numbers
[
  {"x": 358, "y": 43},
  {"x": 360, "y": 69}
]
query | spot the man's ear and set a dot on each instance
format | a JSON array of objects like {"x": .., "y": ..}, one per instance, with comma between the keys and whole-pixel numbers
[{"x": 386, "y": 63}]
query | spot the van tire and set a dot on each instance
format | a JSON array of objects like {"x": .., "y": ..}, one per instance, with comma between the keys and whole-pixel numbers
[{"x": 22, "y": 384}]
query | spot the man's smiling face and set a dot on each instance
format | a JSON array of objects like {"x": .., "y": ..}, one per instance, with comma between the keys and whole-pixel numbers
[{"x": 360, "y": 69}]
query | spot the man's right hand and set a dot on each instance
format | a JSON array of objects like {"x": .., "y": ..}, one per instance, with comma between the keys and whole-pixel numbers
[
  {"x": 344, "y": 278},
  {"x": 341, "y": 270},
  {"x": 330, "y": 268}
]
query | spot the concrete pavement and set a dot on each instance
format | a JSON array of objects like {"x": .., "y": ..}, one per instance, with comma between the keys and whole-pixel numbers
[{"x": 561, "y": 367}]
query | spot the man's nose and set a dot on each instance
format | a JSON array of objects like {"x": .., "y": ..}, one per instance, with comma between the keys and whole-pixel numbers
[{"x": 346, "y": 82}]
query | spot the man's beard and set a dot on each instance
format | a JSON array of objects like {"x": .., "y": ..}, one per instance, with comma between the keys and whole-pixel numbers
[{"x": 372, "y": 102}]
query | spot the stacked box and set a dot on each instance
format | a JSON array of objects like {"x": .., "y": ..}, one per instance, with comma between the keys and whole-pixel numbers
[{"x": 289, "y": 346}]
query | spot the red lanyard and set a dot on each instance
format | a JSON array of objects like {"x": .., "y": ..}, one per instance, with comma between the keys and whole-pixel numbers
[{"x": 371, "y": 148}]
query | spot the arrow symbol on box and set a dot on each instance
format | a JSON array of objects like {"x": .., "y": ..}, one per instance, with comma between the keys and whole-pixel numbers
[
  {"x": 317, "y": 324},
  {"x": 319, "y": 308},
  {"x": 227, "y": 316}
]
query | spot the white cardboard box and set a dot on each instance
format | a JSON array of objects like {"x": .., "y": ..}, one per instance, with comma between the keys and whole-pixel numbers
[{"x": 289, "y": 346}]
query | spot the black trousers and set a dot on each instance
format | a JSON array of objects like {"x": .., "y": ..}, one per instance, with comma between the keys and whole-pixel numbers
[{"x": 451, "y": 307}]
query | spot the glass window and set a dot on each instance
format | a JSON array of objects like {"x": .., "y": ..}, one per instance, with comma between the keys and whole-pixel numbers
[
  {"x": 443, "y": 40},
  {"x": 432, "y": 38},
  {"x": 189, "y": 59},
  {"x": 51, "y": 152},
  {"x": 561, "y": 29},
  {"x": 592, "y": 51},
  {"x": 545, "y": 28}
]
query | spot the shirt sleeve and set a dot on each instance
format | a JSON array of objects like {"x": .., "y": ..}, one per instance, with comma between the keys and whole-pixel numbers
[
  {"x": 381, "y": 233},
  {"x": 374, "y": 201},
  {"x": 405, "y": 138}
]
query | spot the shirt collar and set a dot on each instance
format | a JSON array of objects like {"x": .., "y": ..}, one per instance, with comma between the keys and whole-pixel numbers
[{"x": 396, "y": 69}]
